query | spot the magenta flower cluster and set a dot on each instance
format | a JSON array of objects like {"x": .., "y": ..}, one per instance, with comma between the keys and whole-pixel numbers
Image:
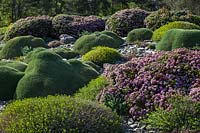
[{"x": 154, "y": 78}]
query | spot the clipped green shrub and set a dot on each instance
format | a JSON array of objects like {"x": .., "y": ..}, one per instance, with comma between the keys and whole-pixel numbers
[
  {"x": 58, "y": 114},
  {"x": 9, "y": 78},
  {"x": 179, "y": 38},
  {"x": 163, "y": 16},
  {"x": 48, "y": 74},
  {"x": 31, "y": 54},
  {"x": 126, "y": 20},
  {"x": 20, "y": 46},
  {"x": 159, "y": 33},
  {"x": 92, "y": 64},
  {"x": 65, "y": 52},
  {"x": 184, "y": 116},
  {"x": 101, "y": 55},
  {"x": 140, "y": 34},
  {"x": 85, "y": 43},
  {"x": 92, "y": 89},
  {"x": 18, "y": 65}
]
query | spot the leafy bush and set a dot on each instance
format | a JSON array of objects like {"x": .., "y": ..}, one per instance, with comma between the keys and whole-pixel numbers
[
  {"x": 140, "y": 34},
  {"x": 3, "y": 30},
  {"x": 9, "y": 78},
  {"x": 148, "y": 81},
  {"x": 85, "y": 43},
  {"x": 159, "y": 33},
  {"x": 179, "y": 38},
  {"x": 48, "y": 74},
  {"x": 184, "y": 115},
  {"x": 40, "y": 26},
  {"x": 16, "y": 46},
  {"x": 126, "y": 20},
  {"x": 55, "y": 43},
  {"x": 92, "y": 89},
  {"x": 65, "y": 52},
  {"x": 101, "y": 55},
  {"x": 75, "y": 25},
  {"x": 92, "y": 64},
  {"x": 18, "y": 65},
  {"x": 163, "y": 16},
  {"x": 58, "y": 114}
]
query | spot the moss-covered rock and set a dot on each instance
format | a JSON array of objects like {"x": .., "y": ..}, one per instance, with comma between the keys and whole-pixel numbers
[
  {"x": 158, "y": 34},
  {"x": 101, "y": 55},
  {"x": 9, "y": 78},
  {"x": 126, "y": 20},
  {"x": 18, "y": 65},
  {"x": 65, "y": 52},
  {"x": 19, "y": 46},
  {"x": 179, "y": 38},
  {"x": 48, "y": 74},
  {"x": 85, "y": 43},
  {"x": 140, "y": 34}
]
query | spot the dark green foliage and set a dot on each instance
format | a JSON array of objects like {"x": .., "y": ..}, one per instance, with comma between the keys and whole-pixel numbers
[
  {"x": 140, "y": 34},
  {"x": 59, "y": 114},
  {"x": 19, "y": 46},
  {"x": 9, "y": 78},
  {"x": 179, "y": 38},
  {"x": 101, "y": 55},
  {"x": 184, "y": 115},
  {"x": 126, "y": 20},
  {"x": 18, "y": 65},
  {"x": 92, "y": 64},
  {"x": 48, "y": 74},
  {"x": 159, "y": 33},
  {"x": 33, "y": 53},
  {"x": 92, "y": 89},
  {"x": 65, "y": 53},
  {"x": 163, "y": 16},
  {"x": 85, "y": 43},
  {"x": 40, "y": 26}
]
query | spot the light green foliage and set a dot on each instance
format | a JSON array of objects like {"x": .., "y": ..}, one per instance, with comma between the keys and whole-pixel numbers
[
  {"x": 159, "y": 33},
  {"x": 48, "y": 74},
  {"x": 16, "y": 46},
  {"x": 92, "y": 89},
  {"x": 179, "y": 38},
  {"x": 184, "y": 115},
  {"x": 140, "y": 34},
  {"x": 101, "y": 55},
  {"x": 58, "y": 114},
  {"x": 85, "y": 43},
  {"x": 9, "y": 78},
  {"x": 65, "y": 53},
  {"x": 18, "y": 65}
]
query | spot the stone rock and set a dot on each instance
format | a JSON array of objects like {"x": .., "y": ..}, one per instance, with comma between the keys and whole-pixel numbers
[{"x": 67, "y": 38}]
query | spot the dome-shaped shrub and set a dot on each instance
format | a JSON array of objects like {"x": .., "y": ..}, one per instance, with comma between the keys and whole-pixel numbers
[
  {"x": 163, "y": 16},
  {"x": 140, "y": 34},
  {"x": 16, "y": 47},
  {"x": 58, "y": 114},
  {"x": 40, "y": 26},
  {"x": 48, "y": 74},
  {"x": 126, "y": 20},
  {"x": 158, "y": 34},
  {"x": 74, "y": 25},
  {"x": 65, "y": 52},
  {"x": 20, "y": 66},
  {"x": 85, "y": 43},
  {"x": 101, "y": 55},
  {"x": 179, "y": 38},
  {"x": 9, "y": 78},
  {"x": 144, "y": 83}
]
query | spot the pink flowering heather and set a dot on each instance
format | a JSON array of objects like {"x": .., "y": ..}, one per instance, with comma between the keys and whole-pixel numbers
[{"x": 148, "y": 81}]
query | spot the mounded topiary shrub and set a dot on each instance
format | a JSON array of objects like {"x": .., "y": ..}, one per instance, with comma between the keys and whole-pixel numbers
[
  {"x": 74, "y": 25},
  {"x": 18, "y": 46},
  {"x": 159, "y": 33},
  {"x": 101, "y": 55},
  {"x": 163, "y": 16},
  {"x": 140, "y": 34},
  {"x": 58, "y": 114},
  {"x": 126, "y": 20},
  {"x": 142, "y": 84},
  {"x": 85, "y": 43},
  {"x": 92, "y": 64},
  {"x": 9, "y": 78},
  {"x": 65, "y": 52},
  {"x": 179, "y": 38},
  {"x": 48, "y": 74},
  {"x": 40, "y": 26},
  {"x": 92, "y": 89},
  {"x": 20, "y": 66}
]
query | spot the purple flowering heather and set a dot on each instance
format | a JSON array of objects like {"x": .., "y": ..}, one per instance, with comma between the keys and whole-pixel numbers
[{"x": 154, "y": 78}]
